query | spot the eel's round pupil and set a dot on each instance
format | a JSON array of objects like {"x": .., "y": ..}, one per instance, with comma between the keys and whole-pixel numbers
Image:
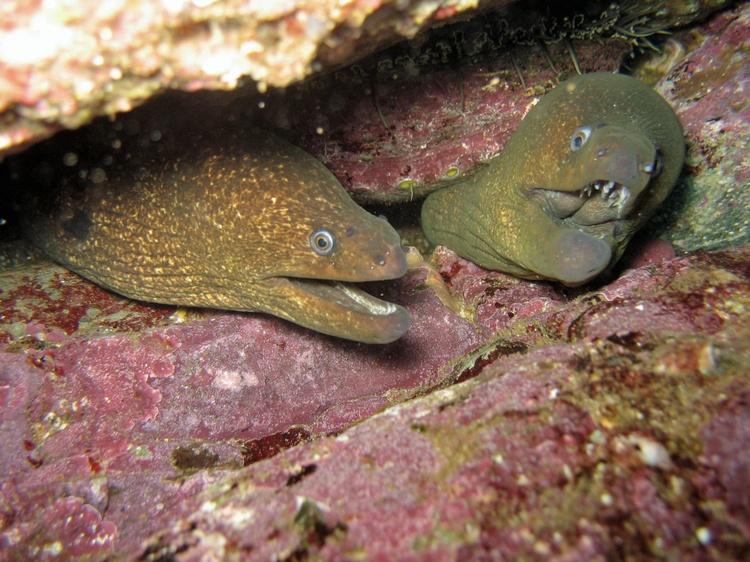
[
  {"x": 322, "y": 242},
  {"x": 579, "y": 138}
]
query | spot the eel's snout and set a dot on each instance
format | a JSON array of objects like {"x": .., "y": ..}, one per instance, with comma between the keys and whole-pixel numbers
[
  {"x": 619, "y": 164},
  {"x": 390, "y": 263},
  {"x": 613, "y": 169},
  {"x": 370, "y": 250},
  {"x": 622, "y": 162}
]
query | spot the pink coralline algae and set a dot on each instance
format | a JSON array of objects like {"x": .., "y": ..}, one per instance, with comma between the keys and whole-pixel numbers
[
  {"x": 140, "y": 428},
  {"x": 598, "y": 446},
  {"x": 89, "y": 417}
]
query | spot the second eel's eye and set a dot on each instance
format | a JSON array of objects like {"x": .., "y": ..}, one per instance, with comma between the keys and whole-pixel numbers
[
  {"x": 322, "y": 242},
  {"x": 579, "y": 138}
]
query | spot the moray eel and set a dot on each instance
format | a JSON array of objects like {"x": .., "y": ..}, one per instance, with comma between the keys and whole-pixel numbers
[
  {"x": 583, "y": 172},
  {"x": 241, "y": 221}
]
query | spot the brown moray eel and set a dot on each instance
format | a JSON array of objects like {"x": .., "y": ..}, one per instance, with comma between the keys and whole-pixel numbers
[
  {"x": 582, "y": 173},
  {"x": 240, "y": 221}
]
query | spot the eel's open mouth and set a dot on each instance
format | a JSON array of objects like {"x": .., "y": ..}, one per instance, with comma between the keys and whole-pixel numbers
[
  {"x": 597, "y": 202},
  {"x": 339, "y": 309},
  {"x": 368, "y": 303},
  {"x": 344, "y": 296},
  {"x": 613, "y": 193}
]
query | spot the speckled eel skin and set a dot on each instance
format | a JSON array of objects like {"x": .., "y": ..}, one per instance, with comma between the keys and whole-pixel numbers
[
  {"x": 583, "y": 172},
  {"x": 240, "y": 221}
]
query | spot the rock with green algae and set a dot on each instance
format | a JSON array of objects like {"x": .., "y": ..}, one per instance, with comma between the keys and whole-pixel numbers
[{"x": 708, "y": 89}]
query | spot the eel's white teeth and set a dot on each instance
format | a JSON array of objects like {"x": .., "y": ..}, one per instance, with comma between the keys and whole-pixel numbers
[
  {"x": 615, "y": 194},
  {"x": 620, "y": 197}
]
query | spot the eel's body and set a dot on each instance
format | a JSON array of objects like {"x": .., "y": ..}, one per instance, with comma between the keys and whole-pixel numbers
[
  {"x": 239, "y": 221},
  {"x": 582, "y": 173}
]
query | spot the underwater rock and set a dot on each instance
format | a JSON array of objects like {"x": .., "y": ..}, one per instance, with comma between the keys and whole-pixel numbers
[
  {"x": 64, "y": 65},
  {"x": 395, "y": 132},
  {"x": 61, "y": 65},
  {"x": 141, "y": 426},
  {"x": 708, "y": 90},
  {"x": 117, "y": 403},
  {"x": 623, "y": 439}
]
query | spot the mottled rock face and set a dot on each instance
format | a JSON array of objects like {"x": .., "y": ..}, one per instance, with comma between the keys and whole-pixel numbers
[
  {"x": 596, "y": 422},
  {"x": 569, "y": 410},
  {"x": 115, "y": 58},
  {"x": 710, "y": 209}
]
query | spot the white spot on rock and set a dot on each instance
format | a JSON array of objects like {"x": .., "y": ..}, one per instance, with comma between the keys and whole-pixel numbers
[
  {"x": 230, "y": 379},
  {"x": 704, "y": 536}
]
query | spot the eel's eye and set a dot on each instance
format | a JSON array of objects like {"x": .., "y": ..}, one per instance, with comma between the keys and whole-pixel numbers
[
  {"x": 322, "y": 242},
  {"x": 579, "y": 138}
]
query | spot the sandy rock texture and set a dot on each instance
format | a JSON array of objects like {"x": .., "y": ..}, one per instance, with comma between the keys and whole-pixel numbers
[{"x": 63, "y": 63}]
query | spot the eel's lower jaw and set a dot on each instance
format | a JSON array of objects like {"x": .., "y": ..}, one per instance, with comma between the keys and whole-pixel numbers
[{"x": 338, "y": 309}]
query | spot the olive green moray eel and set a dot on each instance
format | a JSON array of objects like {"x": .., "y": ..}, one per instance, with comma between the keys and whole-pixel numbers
[
  {"x": 247, "y": 222},
  {"x": 583, "y": 172}
]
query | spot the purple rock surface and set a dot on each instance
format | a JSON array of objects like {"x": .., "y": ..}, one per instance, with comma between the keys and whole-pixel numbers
[
  {"x": 597, "y": 403},
  {"x": 615, "y": 440},
  {"x": 126, "y": 414},
  {"x": 391, "y": 139}
]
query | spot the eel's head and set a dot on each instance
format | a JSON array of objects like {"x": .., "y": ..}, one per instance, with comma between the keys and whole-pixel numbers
[
  {"x": 607, "y": 171},
  {"x": 330, "y": 243},
  {"x": 614, "y": 150},
  {"x": 586, "y": 168},
  {"x": 608, "y": 176}
]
